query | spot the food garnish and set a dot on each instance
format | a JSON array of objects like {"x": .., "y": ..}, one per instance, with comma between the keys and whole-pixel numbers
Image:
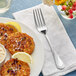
[{"x": 23, "y": 57}]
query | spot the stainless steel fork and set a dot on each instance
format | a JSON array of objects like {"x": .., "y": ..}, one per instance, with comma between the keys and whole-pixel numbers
[{"x": 41, "y": 27}]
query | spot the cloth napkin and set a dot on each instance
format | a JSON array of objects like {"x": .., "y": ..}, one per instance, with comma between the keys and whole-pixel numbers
[{"x": 58, "y": 37}]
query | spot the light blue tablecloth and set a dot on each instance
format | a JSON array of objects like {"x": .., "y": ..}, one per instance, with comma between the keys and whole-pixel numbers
[{"x": 70, "y": 26}]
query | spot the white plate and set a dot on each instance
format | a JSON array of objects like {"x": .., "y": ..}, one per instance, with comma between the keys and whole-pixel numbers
[{"x": 38, "y": 54}]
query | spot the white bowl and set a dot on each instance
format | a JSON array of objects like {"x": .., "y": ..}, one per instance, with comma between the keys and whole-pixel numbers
[{"x": 1, "y": 62}]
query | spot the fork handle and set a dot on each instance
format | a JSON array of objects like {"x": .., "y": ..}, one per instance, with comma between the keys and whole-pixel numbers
[{"x": 58, "y": 61}]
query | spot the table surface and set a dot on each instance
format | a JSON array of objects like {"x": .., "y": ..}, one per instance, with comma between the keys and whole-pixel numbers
[{"x": 70, "y": 25}]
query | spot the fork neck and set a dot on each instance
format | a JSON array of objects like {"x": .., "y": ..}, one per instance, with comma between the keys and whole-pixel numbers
[{"x": 44, "y": 32}]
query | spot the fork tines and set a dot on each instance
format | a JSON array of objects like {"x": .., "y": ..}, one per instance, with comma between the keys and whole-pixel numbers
[{"x": 38, "y": 17}]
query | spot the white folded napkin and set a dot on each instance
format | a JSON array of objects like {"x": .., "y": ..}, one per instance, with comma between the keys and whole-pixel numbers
[{"x": 59, "y": 39}]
